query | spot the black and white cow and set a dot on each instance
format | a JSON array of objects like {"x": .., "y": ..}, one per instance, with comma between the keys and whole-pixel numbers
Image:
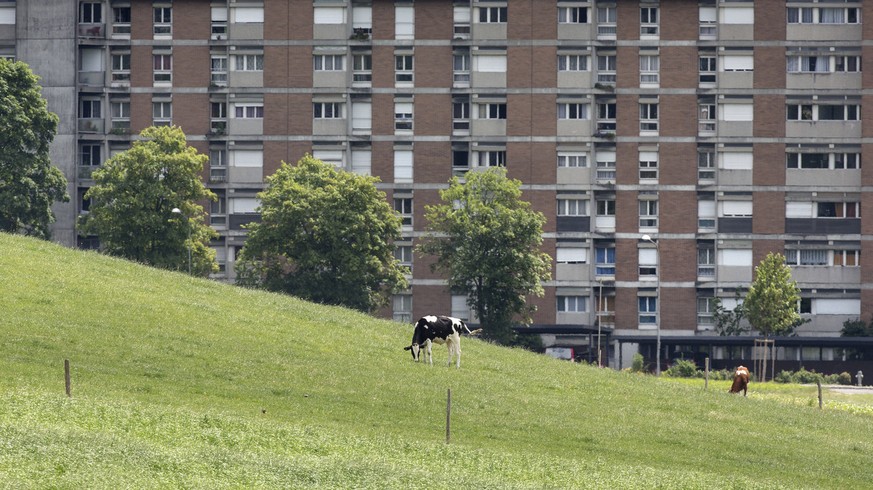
[{"x": 442, "y": 330}]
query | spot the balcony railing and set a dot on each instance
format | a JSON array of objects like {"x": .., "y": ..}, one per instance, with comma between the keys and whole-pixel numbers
[{"x": 95, "y": 31}]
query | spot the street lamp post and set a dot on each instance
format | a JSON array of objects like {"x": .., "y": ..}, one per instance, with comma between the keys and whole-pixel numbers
[
  {"x": 188, "y": 226},
  {"x": 647, "y": 238}
]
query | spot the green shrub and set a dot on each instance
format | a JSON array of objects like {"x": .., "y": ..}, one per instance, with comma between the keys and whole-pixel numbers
[
  {"x": 783, "y": 377},
  {"x": 638, "y": 363},
  {"x": 683, "y": 369},
  {"x": 806, "y": 377},
  {"x": 844, "y": 378}
]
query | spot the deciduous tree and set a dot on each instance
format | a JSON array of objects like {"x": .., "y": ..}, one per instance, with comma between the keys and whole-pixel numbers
[
  {"x": 133, "y": 199},
  {"x": 486, "y": 239},
  {"x": 771, "y": 303},
  {"x": 326, "y": 236},
  {"x": 29, "y": 184}
]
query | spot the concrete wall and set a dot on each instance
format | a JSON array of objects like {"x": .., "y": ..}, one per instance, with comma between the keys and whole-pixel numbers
[{"x": 49, "y": 26}]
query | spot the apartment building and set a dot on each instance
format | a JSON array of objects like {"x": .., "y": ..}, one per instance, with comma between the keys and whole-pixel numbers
[{"x": 718, "y": 130}]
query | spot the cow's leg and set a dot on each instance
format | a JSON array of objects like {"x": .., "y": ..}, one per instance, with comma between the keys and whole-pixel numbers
[{"x": 429, "y": 351}]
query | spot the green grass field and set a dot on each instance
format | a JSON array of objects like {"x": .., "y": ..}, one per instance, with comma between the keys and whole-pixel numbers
[{"x": 179, "y": 382}]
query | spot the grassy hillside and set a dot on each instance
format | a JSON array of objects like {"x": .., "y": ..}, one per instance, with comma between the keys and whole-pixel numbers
[{"x": 179, "y": 382}]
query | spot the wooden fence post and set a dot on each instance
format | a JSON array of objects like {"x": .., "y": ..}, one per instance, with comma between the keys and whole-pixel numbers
[
  {"x": 706, "y": 383},
  {"x": 449, "y": 416},
  {"x": 818, "y": 382},
  {"x": 67, "y": 376}
]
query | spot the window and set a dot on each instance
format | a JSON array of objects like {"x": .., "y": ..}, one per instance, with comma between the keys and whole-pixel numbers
[
  {"x": 808, "y": 64},
  {"x": 648, "y": 309},
  {"x": 403, "y": 68},
  {"x": 248, "y": 62},
  {"x": 249, "y": 111},
  {"x": 572, "y": 304},
  {"x": 572, "y": 207},
  {"x": 708, "y": 22},
  {"x": 705, "y": 262},
  {"x": 404, "y": 22},
  {"x": 707, "y": 64},
  {"x": 573, "y": 15},
  {"x": 573, "y": 111},
  {"x": 461, "y": 68},
  {"x": 568, "y": 159},
  {"x": 90, "y": 109},
  {"x": 460, "y": 115},
  {"x": 847, "y": 63},
  {"x": 218, "y": 211},
  {"x": 738, "y": 62},
  {"x": 649, "y": 21},
  {"x": 822, "y": 112},
  {"x": 461, "y": 19},
  {"x": 806, "y": 257},
  {"x": 737, "y": 112},
  {"x": 567, "y": 255},
  {"x": 89, "y": 155},
  {"x": 847, "y": 258},
  {"x": 328, "y": 62},
  {"x": 403, "y": 207},
  {"x": 489, "y": 158},
  {"x": 572, "y": 62},
  {"x": 604, "y": 261},
  {"x": 648, "y": 165},
  {"x": 704, "y": 311},
  {"x": 403, "y": 254},
  {"x": 706, "y": 163},
  {"x": 219, "y": 70},
  {"x": 362, "y": 66},
  {"x": 326, "y": 110},
  {"x": 606, "y": 21},
  {"x": 649, "y": 66},
  {"x": 648, "y": 117},
  {"x": 247, "y": 15},
  {"x": 120, "y": 114},
  {"x": 163, "y": 20},
  {"x": 823, "y": 160},
  {"x": 217, "y": 165},
  {"x": 362, "y": 21},
  {"x": 605, "y": 166},
  {"x": 328, "y": 15},
  {"x": 460, "y": 157},
  {"x": 402, "y": 308},
  {"x": 121, "y": 67},
  {"x": 648, "y": 263},
  {"x": 403, "y": 116},
  {"x": 823, "y": 15},
  {"x": 606, "y": 112},
  {"x": 606, "y": 68},
  {"x": 91, "y": 13},
  {"x": 706, "y": 117},
  {"x": 219, "y": 22},
  {"x": 838, "y": 210},
  {"x": 648, "y": 213},
  {"x": 362, "y": 116},
  {"x": 606, "y": 207},
  {"x": 163, "y": 68},
  {"x": 706, "y": 212},
  {"x": 162, "y": 113},
  {"x": 218, "y": 117},
  {"x": 492, "y": 110},
  {"x": 121, "y": 20},
  {"x": 403, "y": 162},
  {"x": 492, "y": 14}
]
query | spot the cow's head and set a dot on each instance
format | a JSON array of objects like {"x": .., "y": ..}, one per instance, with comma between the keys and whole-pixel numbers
[{"x": 415, "y": 349}]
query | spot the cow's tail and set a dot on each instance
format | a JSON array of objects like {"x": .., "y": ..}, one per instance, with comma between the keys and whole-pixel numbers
[{"x": 474, "y": 332}]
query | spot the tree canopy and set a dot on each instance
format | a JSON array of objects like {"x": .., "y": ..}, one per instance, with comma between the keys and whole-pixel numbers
[
  {"x": 325, "y": 235},
  {"x": 29, "y": 184},
  {"x": 486, "y": 239},
  {"x": 771, "y": 304},
  {"x": 133, "y": 199}
]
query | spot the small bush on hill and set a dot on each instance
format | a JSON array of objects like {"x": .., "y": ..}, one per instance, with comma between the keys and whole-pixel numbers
[{"x": 683, "y": 368}]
